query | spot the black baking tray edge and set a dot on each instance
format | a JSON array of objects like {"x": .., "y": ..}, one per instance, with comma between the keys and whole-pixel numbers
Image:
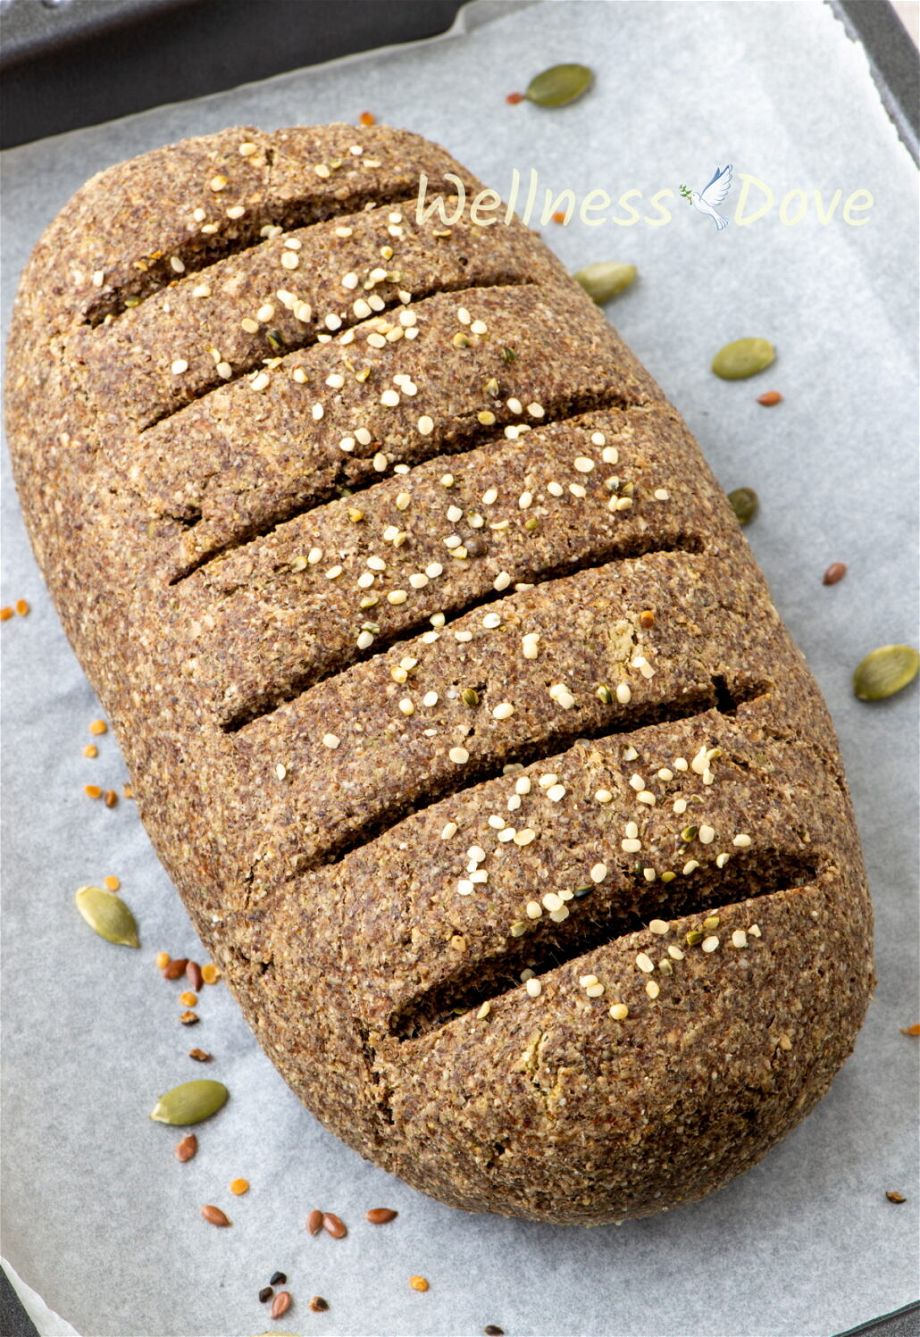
[
  {"x": 52, "y": 80},
  {"x": 80, "y": 62},
  {"x": 893, "y": 60}
]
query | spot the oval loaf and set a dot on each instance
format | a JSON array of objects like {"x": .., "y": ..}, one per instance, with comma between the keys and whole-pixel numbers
[{"x": 453, "y": 700}]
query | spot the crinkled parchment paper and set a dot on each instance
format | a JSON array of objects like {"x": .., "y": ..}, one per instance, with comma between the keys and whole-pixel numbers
[{"x": 99, "y": 1218}]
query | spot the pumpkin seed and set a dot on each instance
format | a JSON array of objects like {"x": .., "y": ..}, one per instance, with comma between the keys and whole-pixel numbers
[
  {"x": 744, "y": 357},
  {"x": 559, "y": 85},
  {"x": 745, "y": 503},
  {"x": 191, "y": 1102},
  {"x": 107, "y": 915},
  {"x": 885, "y": 671},
  {"x": 605, "y": 279}
]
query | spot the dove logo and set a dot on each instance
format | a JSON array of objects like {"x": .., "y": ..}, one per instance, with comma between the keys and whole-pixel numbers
[{"x": 707, "y": 200}]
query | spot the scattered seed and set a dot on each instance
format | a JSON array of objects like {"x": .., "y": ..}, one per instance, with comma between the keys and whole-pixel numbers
[
  {"x": 558, "y": 217},
  {"x": 885, "y": 671},
  {"x": 238, "y": 1187},
  {"x": 418, "y": 1283},
  {"x": 894, "y": 1196},
  {"x": 22, "y": 607},
  {"x": 111, "y": 883},
  {"x": 770, "y": 398},
  {"x": 110, "y": 798},
  {"x": 380, "y": 1216},
  {"x": 559, "y": 85},
  {"x": 98, "y": 727},
  {"x": 319, "y": 1305},
  {"x": 108, "y": 916},
  {"x": 6, "y": 612},
  {"x": 187, "y": 1148},
  {"x": 200, "y": 1055},
  {"x": 173, "y": 969},
  {"x": 605, "y": 279},
  {"x": 743, "y": 358},
  {"x": 162, "y": 960},
  {"x": 265, "y": 1293},
  {"x": 493, "y": 1330},
  {"x": 514, "y": 98},
  {"x": 91, "y": 750},
  {"x": 281, "y": 1304},
  {"x": 194, "y": 975},
  {"x": 315, "y": 1221},
  {"x": 278, "y": 1279},
  {"x": 834, "y": 573},
  {"x": 367, "y": 118},
  {"x": 334, "y": 1226},
  {"x": 209, "y": 973},
  {"x": 745, "y": 503},
  {"x": 92, "y": 791},
  {"x": 190, "y": 1102},
  {"x": 911, "y": 1030},
  {"x": 214, "y": 1216}
]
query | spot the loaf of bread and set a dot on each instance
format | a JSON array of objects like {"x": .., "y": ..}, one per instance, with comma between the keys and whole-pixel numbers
[{"x": 453, "y": 700}]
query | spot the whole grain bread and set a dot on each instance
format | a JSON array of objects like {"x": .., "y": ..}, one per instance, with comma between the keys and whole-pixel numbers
[{"x": 453, "y": 700}]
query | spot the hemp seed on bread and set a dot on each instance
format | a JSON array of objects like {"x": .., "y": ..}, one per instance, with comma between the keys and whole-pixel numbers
[{"x": 453, "y": 700}]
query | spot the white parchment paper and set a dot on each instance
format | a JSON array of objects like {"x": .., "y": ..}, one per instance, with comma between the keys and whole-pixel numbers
[{"x": 99, "y": 1218}]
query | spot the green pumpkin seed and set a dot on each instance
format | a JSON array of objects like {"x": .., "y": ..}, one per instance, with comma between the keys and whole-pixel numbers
[
  {"x": 605, "y": 279},
  {"x": 192, "y": 1102},
  {"x": 107, "y": 915},
  {"x": 744, "y": 357},
  {"x": 559, "y": 85},
  {"x": 885, "y": 671},
  {"x": 745, "y": 503}
]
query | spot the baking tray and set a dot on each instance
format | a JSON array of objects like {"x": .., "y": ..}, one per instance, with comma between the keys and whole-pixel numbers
[
  {"x": 156, "y": 51},
  {"x": 53, "y": 77}
]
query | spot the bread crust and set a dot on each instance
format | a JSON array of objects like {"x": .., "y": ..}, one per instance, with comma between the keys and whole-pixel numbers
[{"x": 453, "y": 700}]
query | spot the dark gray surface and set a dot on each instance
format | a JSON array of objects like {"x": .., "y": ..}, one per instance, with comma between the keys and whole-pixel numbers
[
  {"x": 894, "y": 60},
  {"x": 82, "y": 62},
  {"x": 14, "y": 1322}
]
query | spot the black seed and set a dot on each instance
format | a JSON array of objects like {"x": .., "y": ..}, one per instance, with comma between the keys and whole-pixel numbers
[
  {"x": 278, "y": 1278},
  {"x": 493, "y": 1330},
  {"x": 266, "y": 1293}
]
